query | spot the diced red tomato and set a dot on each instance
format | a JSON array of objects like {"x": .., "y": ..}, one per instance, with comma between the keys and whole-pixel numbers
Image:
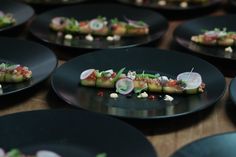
[
  {"x": 92, "y": 76},
  {"x": 100, "y": 93},
  {"x": 172, "y": 83},
  {"x": 209, "y": 38}
]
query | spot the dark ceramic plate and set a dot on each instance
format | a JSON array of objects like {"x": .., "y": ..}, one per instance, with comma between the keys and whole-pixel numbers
[
  {"x": 52, "y": 2},
  {"x": 72, "y": 133},
  {"x": 217, "y": 146},
  {"x": 158, "y": 25},
  {"x": 39, "y": 59},
  {"x": 173, "y": 6},
  {"x": 232, "y": 90},
  {"x": 183, "y": 34},
  {"x": 66, "y": 83},
  {"x": 21, "y": 12}
]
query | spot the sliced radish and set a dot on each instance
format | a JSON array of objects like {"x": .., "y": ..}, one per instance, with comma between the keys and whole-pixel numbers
[
  {"x": 85, "y": 74},
  {"x": 137, "y": 24},
  {"x": 1, "y": 14},
  {"x": 58, "y": 21},
  {"x": 192, "y": 79},
  {"x": 124, "y": 86},
  {"x": 2, "y": 152},
  {"x": 46, "y": 153}
]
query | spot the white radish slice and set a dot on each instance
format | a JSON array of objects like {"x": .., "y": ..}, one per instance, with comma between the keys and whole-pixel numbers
[
  {"x": 85, "y": 74},
  {"x": 124, "y": 86},
  {"x": 58, "y": 20},
  {"x": 2, "y": 153},
  {"x": 1, "y": 14},
  {"x": 192, "y": 79},
  {"x": 46, "y": 153}
]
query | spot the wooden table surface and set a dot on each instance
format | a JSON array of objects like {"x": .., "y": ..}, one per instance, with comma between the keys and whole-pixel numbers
[{"x": 165, "y": 135}]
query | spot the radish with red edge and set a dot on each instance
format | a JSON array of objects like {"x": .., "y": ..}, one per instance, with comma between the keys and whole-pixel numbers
[
  {"x": 88, "y": 77},
  {"x": 46, "y": 153}
]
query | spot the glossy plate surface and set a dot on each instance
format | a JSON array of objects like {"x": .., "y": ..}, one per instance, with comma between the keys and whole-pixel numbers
[
  {"x": 21, "y": 12},
  {"x": 185, "y": 31},
  {"x": 72, "y": 133},
  {"x": 40, "y": 60},
  {"x": 217, "y": 146},
  {"x": 66, "y": 83},
  {"x": 232, "y": 90},
  {"x": 158, "y": 25}
]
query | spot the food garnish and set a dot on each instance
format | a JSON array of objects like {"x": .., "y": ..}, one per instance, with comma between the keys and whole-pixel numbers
[
  {"x": 6, "y": 19},
  {"x": 143, "y": 83}
]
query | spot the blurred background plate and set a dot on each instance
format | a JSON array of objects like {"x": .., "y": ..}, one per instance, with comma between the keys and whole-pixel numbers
[
  {"x": 158, "y": 25},
  {"x": 66, "y": 83},
  {"x": 39, "y": 59},
  {"x": 217, "y": 146},
  {"x": 72, "y": 133},
  {"x": 185, "y": 31},
  {"x": 173, "y": 6},
  {"x": 21, "y": 12}
]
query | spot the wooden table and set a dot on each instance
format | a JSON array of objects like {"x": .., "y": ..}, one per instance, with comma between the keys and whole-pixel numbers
[{"x": 165, "y": 135}]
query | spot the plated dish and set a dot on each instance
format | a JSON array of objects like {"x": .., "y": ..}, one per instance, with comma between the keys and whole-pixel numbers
[
  {"x": 232, "y": 90},
  {"x": 210, "y": 36},
  {"x": 20, "y": 71},
  {"x": 13, "y": 14},
  {"x": 217, "y": 145},
  {"x": 173, "y": 5},
  {"x": 87, "y": 134},
  {"x": 110, "y": 26},
  {"x": 110, "y": 96}
]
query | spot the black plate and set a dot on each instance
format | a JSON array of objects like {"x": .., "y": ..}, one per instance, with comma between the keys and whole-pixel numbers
[
  {"x": 39, "y": 59},
  {"x": 217, "y": 146},
  {"x": 72, "y": 133},
  {"x": 65, "y": 83},
  {"x": 173, "y": 7},
  {"x": 21, "y": 12},
  {"x": 158, "y": 25},
  {"x": 183, "y": 34},
  {"x": 52, "y": 2},
  {"x": 232, "y": 90}
]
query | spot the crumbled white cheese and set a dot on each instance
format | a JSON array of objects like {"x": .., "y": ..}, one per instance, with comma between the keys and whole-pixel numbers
[
  {"x": 131, "y": 75},
  {"x": 229, "y": 49},
  {"x": 0, "y": 86},
  {"x": 168, "y": 98},
  {"x": 89, "y": 37},
  {"x": 143, "y": 95},
  {"x": 68, "y": 37},
  {"x": 184, "y": 4},
  {"x": 110, "y": 38},
  {"x": 162, "y": 3},
  {"x": 116, "y": 37},
  {"x": 114, "y": 95}
]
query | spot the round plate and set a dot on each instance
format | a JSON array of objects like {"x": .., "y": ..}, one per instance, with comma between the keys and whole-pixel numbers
[
  {"x": 183, "y": 34},
  {"x": 66, "y": 83},
  {"x": 232, "y": 90},
  {"x": 52, "y": 2},
  {"x": 39, "y": 59},
  {"x": 158, "y": 25},
  {"x": 172, "y": 7},
  {"x": 72, "y": 133},
  {"x": 217, "y": 146},
  {"x": 21, "y": 12}
]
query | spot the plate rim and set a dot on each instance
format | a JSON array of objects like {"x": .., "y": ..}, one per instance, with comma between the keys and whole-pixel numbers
[{"x": 231, "y": 88}]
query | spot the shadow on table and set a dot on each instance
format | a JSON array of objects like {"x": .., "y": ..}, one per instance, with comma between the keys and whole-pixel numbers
[
  {"x": 167, "y": 125},
  {"x": 231, "y": 111}
]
